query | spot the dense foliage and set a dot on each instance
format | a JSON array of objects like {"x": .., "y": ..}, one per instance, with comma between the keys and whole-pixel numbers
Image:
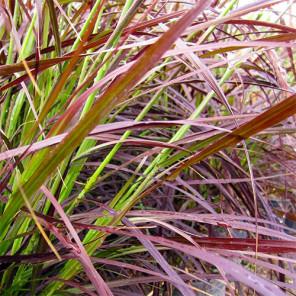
[{"x": 147, "y": 147}]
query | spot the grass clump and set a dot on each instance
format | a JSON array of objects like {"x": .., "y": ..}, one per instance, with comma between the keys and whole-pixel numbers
[{"x": 147, "y": 148}]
